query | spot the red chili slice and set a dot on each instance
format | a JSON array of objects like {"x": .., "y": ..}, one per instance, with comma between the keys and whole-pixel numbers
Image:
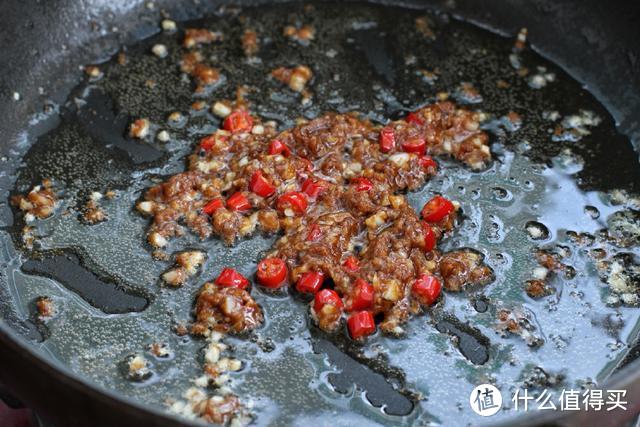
[
  {"x": 271, "y": 272},
  {"x": 324, "y": 297},
  {"x": 238, "y": 121},
  {"x": 207, "y": 142},
  {"x": 310, "y": 282},
  {"x": 231, "y": 278},
  {"x": 362, "y": 184},
  {"x": 278, "y": 147},
  {"x": 436, "y": 209},
  {"x": 259, "y": 185},
  {"x": 314, "y": 233},
  {"x": 312, "y": 188},
  {"x": 363, "y": 295},
  {"x": 238, "y": 202},
  {"x": 351, "y": 263},
  {"x": 293, "y": 200},
  {"x": 213, "y": 206},
  {"x": 415, "y": 144},
  {"x": 361, "y": 324},
  {"x": 414, "y": 119},
  {"x": 387, "y": 140},
  {"x": 430, "y": 238},
  {"x": 428, "y": 162},
  {"x": 426, "y": 289}
]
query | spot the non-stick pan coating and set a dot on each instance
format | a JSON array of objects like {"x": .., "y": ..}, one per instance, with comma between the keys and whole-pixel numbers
[{"x": 112, "y": 261}]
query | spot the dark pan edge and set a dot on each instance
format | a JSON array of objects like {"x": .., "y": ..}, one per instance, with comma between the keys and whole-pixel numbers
[{"x": 33, "y": 371}]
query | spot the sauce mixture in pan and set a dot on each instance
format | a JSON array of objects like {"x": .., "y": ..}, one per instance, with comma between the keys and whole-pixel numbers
[
  {"x": 280, "y": 213},
  {"x": 331, "y": 185}
]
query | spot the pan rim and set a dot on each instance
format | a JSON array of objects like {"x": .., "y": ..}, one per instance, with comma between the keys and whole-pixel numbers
[
  {"x": 627, "y": 378},
  {"x": 13, "y": 341}
]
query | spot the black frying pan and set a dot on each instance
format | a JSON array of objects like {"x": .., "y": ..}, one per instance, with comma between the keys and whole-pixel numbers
[{"x": 594, "y": 43}]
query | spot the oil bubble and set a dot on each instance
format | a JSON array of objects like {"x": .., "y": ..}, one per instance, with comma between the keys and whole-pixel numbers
[
  {"x": 537, "y": 230},
  {"x": 501, "y": 194},
  {"x": 592, "y": 211}
]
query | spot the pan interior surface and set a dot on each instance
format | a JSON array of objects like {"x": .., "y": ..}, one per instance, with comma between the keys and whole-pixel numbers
[{"x": 548, "y": 175}]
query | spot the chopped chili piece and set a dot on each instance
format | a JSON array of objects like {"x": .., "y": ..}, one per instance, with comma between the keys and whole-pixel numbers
[
  {"x": 213, "y": 206},
  {"x": 314, "y": 233},
  {"x": 361, "y": 324},
  {"x": 436, "y": 209},
  {"x": 430, "y": 238},
  {"x": 238, "y": 121},
  {"x": 238, "y": 202},
  {"x": 426, "y": 289},
  {"x": 293, "y": 200},
  {"x": 207, "y": 142},
  {"x": 312, "y": 188},
  {"x": 387, "y": 140},
  {"x": 428, "y": 162},
  {"x": 324, "y": 297},
  {"x": 362, "y": 184},
  {"x": 416, "y": 145},
  {"x": 259, "y": 185},
  {"x": 229, "y": 277},
  {"x": 278, "y": 147},
  {"x": 363, "y": 295},
  {"x": 351, "y": 263},
  {"x": 415, "y": 119},
  {"x": 272, "y": 272},
  {"x": 310, "y": 282}
]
